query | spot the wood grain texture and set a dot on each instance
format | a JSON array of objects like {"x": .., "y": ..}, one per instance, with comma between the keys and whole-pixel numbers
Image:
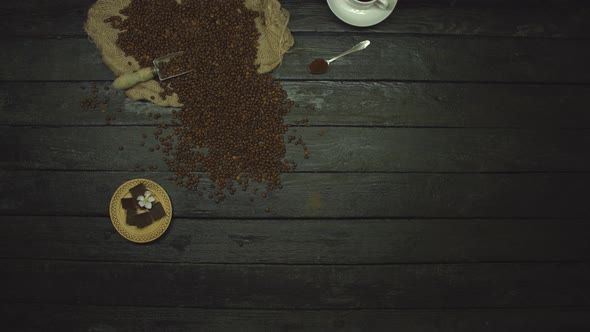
[
  {"x": 537, "y": 19},
  {"x": 390, "y": 57},
  {"x": 297, "y": 286},
  {"x": 449, "y": 192},
  {"x": 332, "y": 149},
  {"x": 321, "y": 195},
  {"x": 36, "y": 317},
  {"x": 327, "y": 241},
  {"x": 384, "y": 104},
  {"x": 439, "y": 17}
]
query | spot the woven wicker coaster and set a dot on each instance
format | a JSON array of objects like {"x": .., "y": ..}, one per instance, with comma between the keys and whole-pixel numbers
[{"x": 119, "y": 215}]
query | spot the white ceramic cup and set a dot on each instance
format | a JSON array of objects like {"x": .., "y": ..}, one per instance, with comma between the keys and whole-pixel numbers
[{"x": 382, "y": 4}]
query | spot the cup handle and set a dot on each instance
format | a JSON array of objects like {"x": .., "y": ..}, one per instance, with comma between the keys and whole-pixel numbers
[{"x": 382, "y": 4}]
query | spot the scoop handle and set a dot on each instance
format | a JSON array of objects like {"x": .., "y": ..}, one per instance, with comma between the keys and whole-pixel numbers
[{"x": 129, "y": 80}]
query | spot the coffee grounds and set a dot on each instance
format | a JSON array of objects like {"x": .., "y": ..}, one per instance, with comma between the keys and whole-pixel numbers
[
  {"x": 318, "y": 66},
  {"x": 231, "y": 126}
]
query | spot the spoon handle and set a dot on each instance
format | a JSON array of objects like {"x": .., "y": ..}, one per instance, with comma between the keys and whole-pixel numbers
[{"x": 360, "y": 46}]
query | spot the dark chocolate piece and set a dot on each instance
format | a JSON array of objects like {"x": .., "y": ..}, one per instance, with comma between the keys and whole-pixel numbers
[
  {"x": 143, "y": 220},
  {"x": 157, "y": 211},
  {"x": 138, "y": 190},
  {"x": 130, "y": 217},
  {"x": 129, "y": 203}
]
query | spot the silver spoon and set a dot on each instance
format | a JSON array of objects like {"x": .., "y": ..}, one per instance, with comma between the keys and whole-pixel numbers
[{"x": 320, "y": 66}]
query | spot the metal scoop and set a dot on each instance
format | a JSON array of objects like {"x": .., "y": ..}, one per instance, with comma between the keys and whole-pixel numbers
[{"x": 129, "y": 80}]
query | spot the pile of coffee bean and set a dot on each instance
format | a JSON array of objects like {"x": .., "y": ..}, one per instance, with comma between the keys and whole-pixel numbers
[{"x": 231, "y": 125}]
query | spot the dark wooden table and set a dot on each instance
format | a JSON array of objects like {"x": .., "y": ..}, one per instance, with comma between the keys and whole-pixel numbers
[{"x": 449, "y": 192}]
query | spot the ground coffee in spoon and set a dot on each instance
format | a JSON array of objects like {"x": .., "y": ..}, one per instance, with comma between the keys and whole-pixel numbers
[{"x": 318, "y": 66}]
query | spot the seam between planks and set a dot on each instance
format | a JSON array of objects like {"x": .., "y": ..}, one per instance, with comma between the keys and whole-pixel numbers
[
  {"x": 180, "y": 263},
  {"x": 405, "y": 309},
  {"x": 352, "y": 80},
  {"x": 341, "y": 32},
  {"x": 256, "y": 264},
  {"x": 523, "y": 308}
]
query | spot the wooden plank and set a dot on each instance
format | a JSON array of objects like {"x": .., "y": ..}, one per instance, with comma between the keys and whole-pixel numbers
[
  {"x": 537, "y": 19},
  {"x": 553, "y": 19},
  {"x": 340, "y": 241},
  {"x": 309, "y": 195},
  {"x": 443, "y": 59},
  {"x": 390, "y": 57},
  {"x": 298, "y": 286},
  {"x": 331, "y": 149},
  {"x": 386, "y": 104},
  {"x": 96, "y": 318}
]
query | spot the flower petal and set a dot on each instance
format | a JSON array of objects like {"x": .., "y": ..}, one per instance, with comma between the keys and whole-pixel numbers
[
  {"x": 151, "y": 199},
  {"x": 147, "y": 194},
  {"x": 148, "y": 205},
  {"x": 140, "y": 198},
  {"x": 141, "y": 203}
]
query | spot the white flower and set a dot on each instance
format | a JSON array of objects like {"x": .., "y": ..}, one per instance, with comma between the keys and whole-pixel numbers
[{"x": 146, "y": 200}]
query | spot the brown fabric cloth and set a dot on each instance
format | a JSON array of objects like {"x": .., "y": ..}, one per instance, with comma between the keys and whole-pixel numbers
[{"x": 275, "y": 40}]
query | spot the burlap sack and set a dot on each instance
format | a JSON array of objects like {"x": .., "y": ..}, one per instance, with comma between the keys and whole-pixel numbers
[{"x": 275, "y": 40}]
